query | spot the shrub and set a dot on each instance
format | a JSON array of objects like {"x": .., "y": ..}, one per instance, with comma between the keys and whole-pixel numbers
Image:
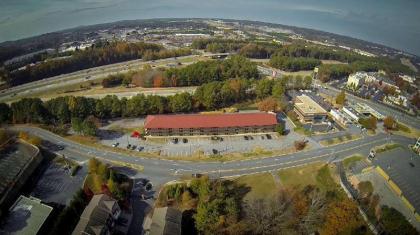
[{"x": 300, "y": 144}]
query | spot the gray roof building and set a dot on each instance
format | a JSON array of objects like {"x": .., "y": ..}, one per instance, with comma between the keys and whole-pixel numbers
[
  {"x": 26, "y": 216},
  {"x": 166, "y": 221},
  {"x": 99, "y": 216}
]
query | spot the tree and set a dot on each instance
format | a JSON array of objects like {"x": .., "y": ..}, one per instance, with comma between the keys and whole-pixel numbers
[
  {"x": 181, "y": 102},
  {"x": 93, "y": 165},
  {"x": 369, "y": 123},
  {"x": 344, "y": 210},
  {"x": 279, "y": 88},
  {"x": 5, "y": 113},
  {"x": 299, "y": 144},
  {"x": 389, "y": 123},
  {"x": 270, "y": 104},
  {"x": 365, "y": 188},
  {"x": 395, "y": 223},
  {"x": 270, "y": 216},
  {"x": 340, "y": 98},
  {"x": 280, "y": 128},
  {"x": 263, "y": 88}
]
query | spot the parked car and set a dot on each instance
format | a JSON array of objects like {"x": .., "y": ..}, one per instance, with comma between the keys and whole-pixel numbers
[
  {"x": 174, "y": 140},
  {"x": 268, "y": 136},
  {"x": 133, "y": 147},
  {"x": 246, "y": 137},
  {"x": 115, "y": 144},
  {"x": 184, "y": 140},
  {"x": 140, "y": 148},
  {"x": 128, "y": 146}
]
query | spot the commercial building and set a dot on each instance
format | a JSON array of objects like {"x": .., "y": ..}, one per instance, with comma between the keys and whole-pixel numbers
[
  {"x": 339, "y": 116},
  {"x": 26, "y": 216},
  {"x": 360, "y": 110},
  {"x": 99, "y": 216},
  {"x": 209, "y": 124},
  {"x": 308, "y": 110},
  {"x": 17, "y": 163},
  {"x": 356, "y": 79}
]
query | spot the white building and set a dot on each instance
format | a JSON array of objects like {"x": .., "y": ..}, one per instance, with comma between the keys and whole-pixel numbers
[
  {"x": 408, "y": 79},
  {"x": 356, "y": 79},
  {"x": 398, "y": 100},
  {"x": 339, "y": 116}
]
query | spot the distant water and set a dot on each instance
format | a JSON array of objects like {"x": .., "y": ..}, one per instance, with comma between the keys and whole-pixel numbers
[{"x": 394, "y": 23}]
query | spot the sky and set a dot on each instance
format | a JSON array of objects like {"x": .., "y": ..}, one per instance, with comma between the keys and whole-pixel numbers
[{"x": 394, "y": 23}]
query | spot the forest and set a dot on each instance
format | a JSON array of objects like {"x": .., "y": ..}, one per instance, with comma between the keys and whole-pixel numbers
[{"x": 96, "y": 56}]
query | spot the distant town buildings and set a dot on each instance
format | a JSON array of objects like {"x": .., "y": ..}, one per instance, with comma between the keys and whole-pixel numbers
[
  {"x": 99, "y": 216},
  {"x": 209, "y": 124},
  {"x": 308, "y": 111}
]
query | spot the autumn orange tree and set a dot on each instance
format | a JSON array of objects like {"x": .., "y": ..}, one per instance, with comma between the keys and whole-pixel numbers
[
  {"x": 389, "y": 123},
  {"x": 342, "y": 217},
  {"x": 271, "y": 104}
]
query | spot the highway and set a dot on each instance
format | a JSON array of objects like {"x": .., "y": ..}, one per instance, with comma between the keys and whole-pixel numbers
[
  {"x": 163, "y": 170},
  {"x": 77, "y": 77}
]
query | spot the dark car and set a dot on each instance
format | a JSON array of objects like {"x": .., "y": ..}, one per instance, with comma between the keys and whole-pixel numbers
[
  {"x": 174, "y": 140},
  {"x": 133, "y": 147},
  {"x": 268, "y": 136},
  {"x": 246, "y": 137},
  {"x": 128, "y": 146},
  {"x": 184, "y": 140}
]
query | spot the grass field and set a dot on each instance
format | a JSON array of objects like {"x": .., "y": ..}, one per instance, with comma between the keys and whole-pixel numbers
[
  {"x": 351, "y": 160},
  {"x": 318, "y": 174},
  {"x": 261, "y": 185}
]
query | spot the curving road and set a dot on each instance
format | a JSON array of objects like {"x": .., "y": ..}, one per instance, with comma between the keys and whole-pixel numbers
[{"x": 162, "y": 170}]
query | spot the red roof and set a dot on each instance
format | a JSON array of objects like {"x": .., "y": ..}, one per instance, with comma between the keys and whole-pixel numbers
[{"x": 209, "y": 120}]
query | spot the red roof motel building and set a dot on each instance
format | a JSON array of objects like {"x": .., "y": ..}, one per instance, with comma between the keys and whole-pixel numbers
[{"x": 209, "y": 124}]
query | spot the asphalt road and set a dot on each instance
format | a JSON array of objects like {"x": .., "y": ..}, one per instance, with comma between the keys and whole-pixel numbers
[
  {"x": 46, "y": 84},
  {"x": 162, "y": 170}
]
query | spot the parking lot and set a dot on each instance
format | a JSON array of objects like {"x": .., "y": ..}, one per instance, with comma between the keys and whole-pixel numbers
[
  {"x": 188, "y": 145},
  {"x": 111, "y": 135},
  {"x": 57, "y": 185}
]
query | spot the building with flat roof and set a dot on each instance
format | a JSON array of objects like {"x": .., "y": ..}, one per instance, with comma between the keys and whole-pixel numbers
[
  {"x": 209, "y": 124},
  {"x": 26, "y": 216},
  {"x": 308, "y": 110},
  {"x": 99, "y": 216},
  {"x": 18, "y": 161}
]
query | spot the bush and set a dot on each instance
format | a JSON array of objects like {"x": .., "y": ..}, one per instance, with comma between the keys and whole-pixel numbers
[
  {"x": 112, "y": 80},
  {"x": 280, "y": 128},
  {"x": 299, "y": 144},
  {"x": 389, "y": 123}
]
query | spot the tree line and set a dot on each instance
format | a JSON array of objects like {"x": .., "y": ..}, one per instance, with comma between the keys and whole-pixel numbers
[
  {"x": 218, "y": 45},
  {"x": 191, "y": 75},
  {"x": 75, "y": 110},
  {"x": 293, "y": 64},
  {"x": 96, "y": 56}
]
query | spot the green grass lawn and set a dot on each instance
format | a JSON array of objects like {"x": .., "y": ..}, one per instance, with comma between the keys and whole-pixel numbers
[
  {"x": 351, "y": 160},
  {"x": 261, "y": 185},
  {"x": 317, "y": 174}
]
